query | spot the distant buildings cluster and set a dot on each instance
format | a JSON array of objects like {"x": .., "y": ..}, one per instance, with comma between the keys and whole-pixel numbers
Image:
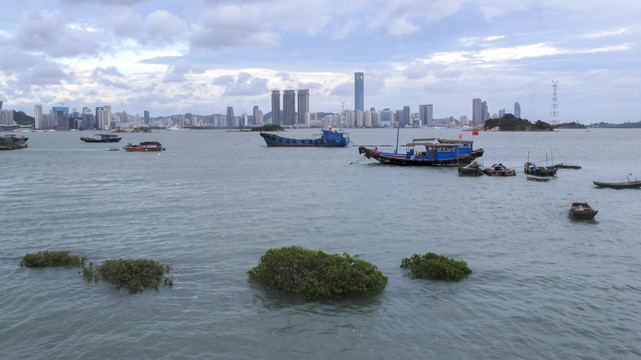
[{"x": 295, "y": 112}]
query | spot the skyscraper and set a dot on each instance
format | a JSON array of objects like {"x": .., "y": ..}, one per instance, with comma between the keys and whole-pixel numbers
[
  {"x": 37, "y": 116},
  {"x": 146, "y": 118},
  {"x": 289, "y": 107},
  {"x": 426, "y": 114},
  {"x": 406, "y": 116},
  {"x": 276, "y": 107},
  {"x": 359, "y": 91},
  {"x": 484, "y": 112},
  {"x": 303, "y": 106},
  {"x": 517, "y": 110},
  {"x": 258, "y": 116},
  {"x": 477, "y": 117},
  {"x": 230, "y": 117}
]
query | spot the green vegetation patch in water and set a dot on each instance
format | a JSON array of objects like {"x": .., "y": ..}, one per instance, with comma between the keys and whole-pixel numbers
[
  {"x": 317, "y": 275},
  {"x": 44, "y": 259},
  {"x": 435, "y": 267},
  {"x": 134, "y": 275}
]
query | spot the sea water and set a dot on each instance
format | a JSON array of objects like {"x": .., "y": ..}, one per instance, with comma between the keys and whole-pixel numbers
[{"x": 543, "y": 286}]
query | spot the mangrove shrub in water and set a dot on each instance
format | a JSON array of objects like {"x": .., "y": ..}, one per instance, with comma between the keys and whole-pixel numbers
[
  {"x": 52, "y": 259},
  {"x": 435, "y": 267},
  {"x": 317, "y": 275},
  {"x": 134, "y": 275}
]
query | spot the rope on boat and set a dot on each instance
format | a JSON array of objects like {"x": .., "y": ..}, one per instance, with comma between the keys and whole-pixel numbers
[{"x": 359, "y": 159}]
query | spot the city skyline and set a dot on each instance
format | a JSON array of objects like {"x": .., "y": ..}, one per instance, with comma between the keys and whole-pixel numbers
[{"x": 197, "y": 57}]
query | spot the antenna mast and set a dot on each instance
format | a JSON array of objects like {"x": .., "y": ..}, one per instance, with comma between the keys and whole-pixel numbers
[{"x": 554, "y": 112}]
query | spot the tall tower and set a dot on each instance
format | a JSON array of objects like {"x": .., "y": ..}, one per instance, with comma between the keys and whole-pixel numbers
[
  {"x": 230, "y": 117},
  {"x": 359, "y": 91},
  {"x": 276, "y": 107},
  {"x": 37, "y": 116},
  {"x": 289, "y": 107},
  {"x": 303, "y": 106},
  {"x": 554, "y": 112},
  {"x": 426, "y": 114},
  {"x": 477, "y": 117},
  {"x": 517, "y": 110}
]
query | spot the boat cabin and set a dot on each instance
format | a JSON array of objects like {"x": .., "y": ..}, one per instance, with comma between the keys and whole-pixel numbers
[{"x": 432, "y": 151}]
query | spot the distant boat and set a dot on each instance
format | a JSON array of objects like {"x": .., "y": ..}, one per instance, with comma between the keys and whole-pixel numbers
[
  {"x": 532, "y": 169},
  {"x": 499, "y": 170},
  {"x": 175, "y": 127},
  {"x": 538, "y": 178},
  {"x": 619, "y": 185},
  {"x": 102, "y": 138},
  {"x": 582, "y": 211},
  {"x": 144, "y": 146},
  {"x": 329, "y": 138},
  {"x": 13, "y": 142},
  {"x": 566, "y": 166}
]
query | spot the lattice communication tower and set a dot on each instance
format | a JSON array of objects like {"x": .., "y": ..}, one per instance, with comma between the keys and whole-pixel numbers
[{"x": 554, "y": 112}]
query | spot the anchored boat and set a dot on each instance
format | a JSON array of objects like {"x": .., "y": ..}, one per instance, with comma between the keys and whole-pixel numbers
[
  {"x": 582, "y": 211},
  {"x": 329, "y": 138},
  {"x": 102, "y": 138},
  {"x": 144, "y": 146}
]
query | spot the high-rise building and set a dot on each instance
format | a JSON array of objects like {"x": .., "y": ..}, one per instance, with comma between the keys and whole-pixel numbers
[
  {"x": 517, "y": 110},
  {"x": 501, "y": 113},
  {"x": 303, "y": 106},
  {"x": 276, "y": 107},
  {"x": 0, "y": 104},
  {"x": 146, "y": 118},
  {"x": 406, "y": 116},
  {"x": 61, "y": 117},
  {"x": 426, "y": 114},
  {"x": 359, "y": 91},
  {"x": 108, "y": 117},
  {"x": 484, "y": 112},
  {"x": 477, "y": 116},
  {"x": 387, "y": 118},
  {"x": 258, "y": 116},
  {"x": 230, "y": 117},
  {"x": 37, "y": 116},
  {"x": 289, "y": 107}
]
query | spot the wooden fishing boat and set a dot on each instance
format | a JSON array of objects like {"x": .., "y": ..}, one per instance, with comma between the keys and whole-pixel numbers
[
  {"x": 533, "y": 169},
  {"x": 13, "y": 142},
  {"x": 538, "y": 178},
  {"x": 473, "y": 169},
  {"x": 499, "y": 170},
  {"x": 619, "y": 185},
  {"x": 582, "y": 211},
  {"x": 566, "y": 166},
  {"x": 144, "y": 146}
]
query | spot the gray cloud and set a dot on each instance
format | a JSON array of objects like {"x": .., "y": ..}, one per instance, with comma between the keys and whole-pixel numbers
[
  {"x": 52, "y": 34},
  {"x": 246, "y": 85},
  {"x": 158, "y": 28}
]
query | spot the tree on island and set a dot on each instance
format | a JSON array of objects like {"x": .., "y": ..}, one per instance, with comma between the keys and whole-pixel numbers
[{"x": 510, "y": 122}]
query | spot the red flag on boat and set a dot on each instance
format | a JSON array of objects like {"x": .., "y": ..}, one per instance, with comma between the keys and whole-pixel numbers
[
  {"x": 460, "y": 136},
  {"x": 475, "y": 132}
]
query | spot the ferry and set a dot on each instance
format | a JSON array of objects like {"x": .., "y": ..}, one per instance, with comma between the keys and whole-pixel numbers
[{"x": 329, "y": 138}]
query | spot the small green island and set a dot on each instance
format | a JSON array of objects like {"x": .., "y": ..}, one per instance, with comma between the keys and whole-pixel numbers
[{"x": 268, "y": 127}]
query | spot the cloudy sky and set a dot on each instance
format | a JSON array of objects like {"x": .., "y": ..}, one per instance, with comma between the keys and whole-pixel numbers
[{"x": 200, "y": 56}]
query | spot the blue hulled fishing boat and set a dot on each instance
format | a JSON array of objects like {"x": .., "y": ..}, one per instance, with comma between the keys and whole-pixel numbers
[
  {"x": 329, "y": 138},
  {"x": 425, "y": 152}
]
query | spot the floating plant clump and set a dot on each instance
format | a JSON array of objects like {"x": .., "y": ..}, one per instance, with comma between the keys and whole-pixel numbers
[
  {"x": 317, "y": 275},
  {"x": 435, "y": 267},
  {"x": 135, "y": 275},
  {"x": 43, "y": 259}
]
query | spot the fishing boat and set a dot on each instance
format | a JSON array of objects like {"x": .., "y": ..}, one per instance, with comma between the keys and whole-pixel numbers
[
  {"x": 13, "y": 142},
  {"x": 499, "y": 170},
  {"x": 619, "y": 185},
  {"x": 566, "y": 166},
  {"x": 101, "y": 138},
  {"x": 582, "y": 211},
  {"x": 144, "y": 146},
  {"x": 425, "y": 152},
  {"x": 329, "y": 138},
  {"x": 473, "y": 169},
  {"x": 533, "y": 169},
  {"x": 538, "y": 178}
]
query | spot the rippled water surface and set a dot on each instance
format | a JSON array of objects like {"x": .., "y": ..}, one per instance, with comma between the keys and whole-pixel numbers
[{"x": 543, "y": 286}]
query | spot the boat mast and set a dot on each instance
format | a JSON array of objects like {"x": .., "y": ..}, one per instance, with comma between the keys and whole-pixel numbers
[{"x": 398, "y": 130}]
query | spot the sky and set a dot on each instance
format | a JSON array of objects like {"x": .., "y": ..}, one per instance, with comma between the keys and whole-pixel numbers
[{"x": 175, "y": 57}]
